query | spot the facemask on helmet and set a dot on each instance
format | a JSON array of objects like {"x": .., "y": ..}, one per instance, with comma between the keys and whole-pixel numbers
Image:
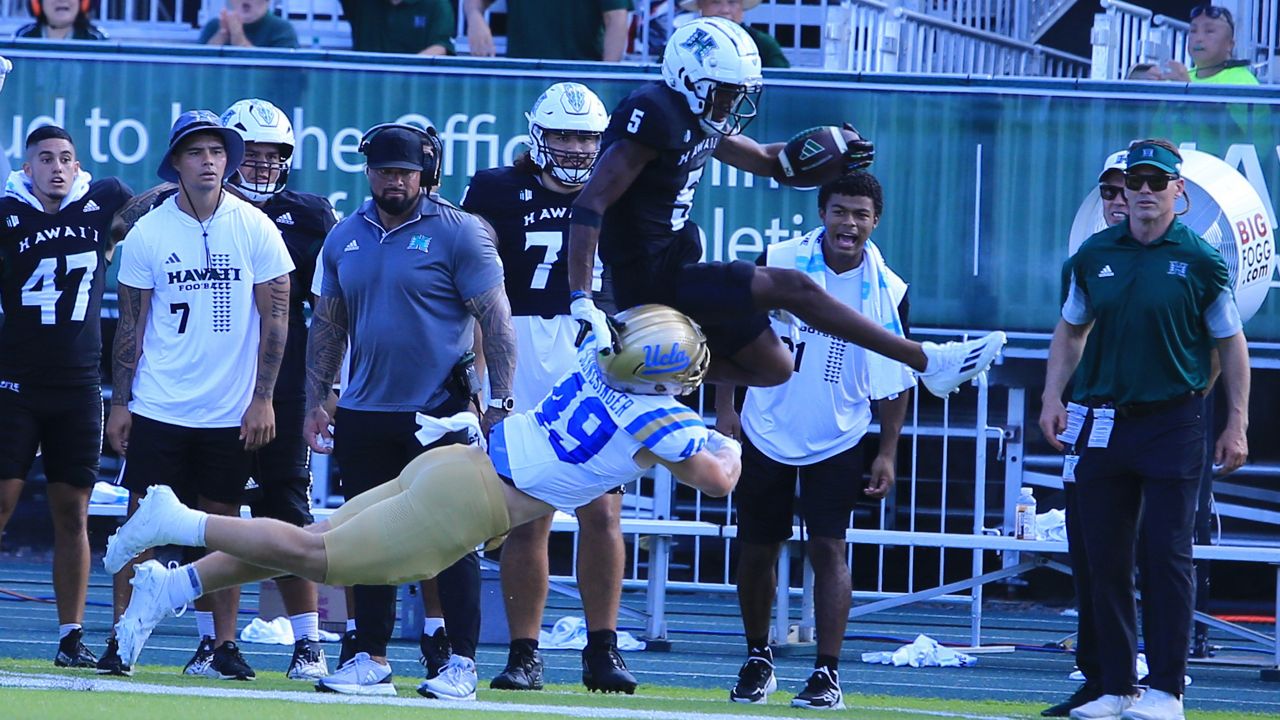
[
  {"x": 568, "y": 108},
  {"x": 258, "y": 121},
  {"x": 661, "y": 352},
  {"x": 715, "y": 65}
]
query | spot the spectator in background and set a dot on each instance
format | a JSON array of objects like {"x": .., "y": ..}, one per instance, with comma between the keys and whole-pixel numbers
[
  {"x": 1211, "y": 42},
  {"x": 770, "y": 51},
  {"x": 60, "y": 20},
  {"x": 554, "y": 29},
  {"x": 249, "y": 23},
  {"x": 413, "y": 27}
]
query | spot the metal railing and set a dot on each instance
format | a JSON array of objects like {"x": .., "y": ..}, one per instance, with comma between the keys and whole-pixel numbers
[
  {"x": 1125, "y": 35},
  {"x": 875, "y": 36}
]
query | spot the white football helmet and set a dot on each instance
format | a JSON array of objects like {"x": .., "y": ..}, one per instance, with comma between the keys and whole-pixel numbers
[
  {"x": 661, "y": 352},
  {"x": 571, "y": 108},
  {"x": 715, "y": 65},
  {"x": 258, "y": 121}
]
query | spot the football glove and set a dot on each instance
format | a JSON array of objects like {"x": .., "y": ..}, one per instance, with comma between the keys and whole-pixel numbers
[
  {"x": 860, "y": 153},
  {"x": 595, "y": 321},
  {"x": 717, "y": 440}
]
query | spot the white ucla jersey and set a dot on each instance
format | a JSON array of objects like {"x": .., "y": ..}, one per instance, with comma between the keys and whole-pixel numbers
[
  {"x": 825, "y": 407},
  {"x": 200, "y": 346},
  {"x": 544, "y": 347},
  {"x": 582, "y": 439}
]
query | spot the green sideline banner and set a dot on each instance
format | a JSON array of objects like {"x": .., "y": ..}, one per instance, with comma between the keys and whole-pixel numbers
[{"x": 982, "y": 177}]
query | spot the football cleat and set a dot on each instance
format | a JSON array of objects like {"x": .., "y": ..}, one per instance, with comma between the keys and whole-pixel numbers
[
  {"x": 821, "y": 691},
  {"x": 147, "y": 528},
  {"x": 603, "y": 669},
  {"x": 308, "y": 661},
  {"x": 199, "y": 663},
  {"x": 755, "y": 681},
  {"x": 229, "y": 664},
  {"x": 523, "y": 672},
  {"x": 146, "y": 609},
  {"x": 952, "y": 364},
  {"x": 73, "y": 653}
]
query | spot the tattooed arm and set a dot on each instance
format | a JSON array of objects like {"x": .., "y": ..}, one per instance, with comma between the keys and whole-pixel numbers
[
  {"x": 326, "y": 345},
  {"x": 134, "y": 304},
  {"x": 128, "y": 215},
  {"x": 258, "y": 426},
  {"x": 493, "y": 311}
]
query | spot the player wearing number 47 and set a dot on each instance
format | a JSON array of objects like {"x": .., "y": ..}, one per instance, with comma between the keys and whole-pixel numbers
[
  {"x": 636, "y": 207},
  {"x": 606, "y": 420},
  {"x": 55, "y": 238}
]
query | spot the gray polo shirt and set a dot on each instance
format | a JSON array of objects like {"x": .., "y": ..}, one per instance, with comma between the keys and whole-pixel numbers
[{"x": 405, "y": 292}]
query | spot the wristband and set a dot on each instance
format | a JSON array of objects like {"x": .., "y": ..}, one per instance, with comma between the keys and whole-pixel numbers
[{"x": 578, "y": 295}]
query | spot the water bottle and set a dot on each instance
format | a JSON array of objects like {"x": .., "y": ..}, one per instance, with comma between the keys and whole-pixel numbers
[{"x": 1024, "y": 516}]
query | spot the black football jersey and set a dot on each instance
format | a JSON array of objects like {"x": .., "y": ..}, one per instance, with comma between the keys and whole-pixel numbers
[
  {"x": 304, "y": 220},
  {"x": 52, "y": 274},
  {"x": 532, "y": 227},
  {"x": 651, "y": 214}
]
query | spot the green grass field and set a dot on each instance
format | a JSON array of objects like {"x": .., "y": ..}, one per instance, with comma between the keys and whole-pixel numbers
[{"x": 159, "y": 693}]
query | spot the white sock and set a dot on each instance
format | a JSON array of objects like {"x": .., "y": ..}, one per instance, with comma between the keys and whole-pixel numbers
[
  {"x": 351, "y": 625},
  {"x": 306, "y": 626},
  {"x": 204, "y": 624},
  {"x": 184, "y": 587},
  {"x": 431, "y": 625},
  {"x": 188, "y": 527},
  {"x": 65, "y": 630}
]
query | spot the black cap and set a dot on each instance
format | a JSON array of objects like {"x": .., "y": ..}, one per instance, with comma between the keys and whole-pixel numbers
[{"x": 396, "y": 148}]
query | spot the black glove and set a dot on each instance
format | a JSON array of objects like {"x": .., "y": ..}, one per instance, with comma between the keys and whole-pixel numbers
[{"x": 860, "y": 153}]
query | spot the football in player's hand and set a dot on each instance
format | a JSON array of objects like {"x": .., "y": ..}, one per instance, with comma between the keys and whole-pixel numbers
[{"x": 820, "y": 155}]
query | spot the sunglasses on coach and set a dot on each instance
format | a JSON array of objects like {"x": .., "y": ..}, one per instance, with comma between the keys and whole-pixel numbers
[
  {"x": 1109, "y": 192},
  {"x": 1214, "y": 12},
  {"x": 1158, "y": 182}
]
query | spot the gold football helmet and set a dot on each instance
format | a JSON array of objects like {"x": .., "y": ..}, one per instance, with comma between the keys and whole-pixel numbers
[{"x": 661, "y": 352}]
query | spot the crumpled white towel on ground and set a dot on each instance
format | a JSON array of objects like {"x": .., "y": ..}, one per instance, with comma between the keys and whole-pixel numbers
[
  {"x": 923, "y": 652},
  {"x": 570, "y": 633},
  {"x": 1140, "y": 666},
  {"x": 277, "y": 632}
]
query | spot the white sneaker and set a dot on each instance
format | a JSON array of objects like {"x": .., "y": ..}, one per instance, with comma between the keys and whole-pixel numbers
[
  {"x": 361, "y": 675},
  {"x": 457, "y": 681},
  {"x": 1107, "y": 707},
  {"x": 149, "y": 527},
  {"x": 1155, "y": 705},
  {"x": 146, "y": 609},
  {"x": 952, "y": 364}
]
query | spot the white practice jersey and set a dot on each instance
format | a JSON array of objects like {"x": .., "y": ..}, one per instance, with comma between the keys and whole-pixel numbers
[
  {"x": 200, "y": 346},
  {"x": 825, "y": 407},
  {"x": 545, "y": 352},
  {"x": 582, "y": 439}
]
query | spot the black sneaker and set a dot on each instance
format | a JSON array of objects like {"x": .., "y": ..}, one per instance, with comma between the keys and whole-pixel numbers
[
  {"x": 604, "y": 670},
  {"x": 436, "y": 651},
  {"x": 348, "y": 650},
  {"x": 821, "y": 692},
  {"x": 111, "y": 663},
  {"x": 523, "y": 672},
  {"x": 1086, "y": 693},
  {"x": 229, "y": 664},
  {"x": 72, "y": 652},
  {"x": 308, "y": 662},
  {"x": 199, "y": 663},
  {"x": 755, "y": 681}
]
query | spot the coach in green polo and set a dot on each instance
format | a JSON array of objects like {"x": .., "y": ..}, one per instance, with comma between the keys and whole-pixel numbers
[{"x": 1147, "y": 303}]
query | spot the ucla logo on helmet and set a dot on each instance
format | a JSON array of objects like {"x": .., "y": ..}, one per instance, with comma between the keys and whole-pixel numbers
[
  {"x": 658, "y": 359},
  {"x": 575, "y": 98},
  {"x": 700, "y": 43}
]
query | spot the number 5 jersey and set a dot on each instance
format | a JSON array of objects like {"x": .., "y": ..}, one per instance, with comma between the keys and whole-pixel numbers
[{"x": 52, "y": 274}]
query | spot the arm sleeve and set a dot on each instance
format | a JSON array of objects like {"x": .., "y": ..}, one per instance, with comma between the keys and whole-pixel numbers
[
  {"x": 134, "y": 262},
  {"x": 476, "y": 267},
  {"x": 671, "y": 433}
]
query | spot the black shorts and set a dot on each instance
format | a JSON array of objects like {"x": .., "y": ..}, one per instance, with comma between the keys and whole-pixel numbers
[
  {"x": 715, "y": 294},
  {"x": 208, "y": 463},
  {"x": 765, "y": 496},
  {"x": 282, "y": 470},
  {"x": 372, "y": 447},
  {"x": 64, "y": 423}
]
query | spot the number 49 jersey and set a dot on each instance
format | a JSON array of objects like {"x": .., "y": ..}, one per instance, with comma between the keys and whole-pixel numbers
[
  {"x": 52, "y": 273},
  {"x": 581, "y": 440}
]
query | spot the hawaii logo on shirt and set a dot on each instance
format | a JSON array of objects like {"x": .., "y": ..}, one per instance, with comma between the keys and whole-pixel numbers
[{"x": 420, "y": 242}]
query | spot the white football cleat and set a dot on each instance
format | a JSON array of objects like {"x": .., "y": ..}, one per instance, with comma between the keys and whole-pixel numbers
[
  {"x": 149, "y": 527},
  {"x": 457, "y": 681},
  {"x": 952, "y": 364},
  {"x": 147, "y": 607}
]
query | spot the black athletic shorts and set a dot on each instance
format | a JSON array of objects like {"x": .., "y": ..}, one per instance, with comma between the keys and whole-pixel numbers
[
  {"x": 65, "y": 423},
  {"x": 282, "y": 470},
  {"x": 208, "y": 463},
  {"x": 715, "y": 294},
  {"x": 765, "y": 496}
]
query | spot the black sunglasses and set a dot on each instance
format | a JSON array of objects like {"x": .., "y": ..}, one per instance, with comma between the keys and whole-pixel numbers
[
  {"x": 1214, "y": 12},
  {"x": 1109, "y": 192},
  {"x": 1158, "y": 182}
]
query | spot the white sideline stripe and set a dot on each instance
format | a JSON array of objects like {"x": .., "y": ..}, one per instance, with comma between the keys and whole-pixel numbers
[{"x": 24, "y": 681}]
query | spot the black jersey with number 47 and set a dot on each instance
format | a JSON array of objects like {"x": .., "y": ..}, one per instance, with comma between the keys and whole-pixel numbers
[
  {"x": 648, "y": 219},
  {"x": 531, "y": 224},
  {"x": 52, "y": 275}
]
